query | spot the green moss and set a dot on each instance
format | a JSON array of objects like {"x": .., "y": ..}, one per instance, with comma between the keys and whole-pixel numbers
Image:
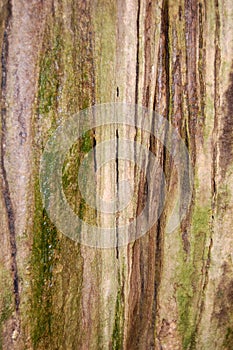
[
  {"x": 49, "y": 78},
  {"x": 118, "y": 330},
  {"x": 201, "y": 220},
  {"x": 117, "y": 336},
  {"x": 228, "y": 341},
  {"x": 7, "y": 307},
  {"x": 6, "y": 302},
  {"x": 45, "y": 242},
  {"x": 66, "y": 85},
  {"x": 70, "y": 175},
  {"x": 189, "y": 276},
  {"x": 185, "y": 294},
  {"x": 86, "y": 142},
  {"x": 6, "y": 312}
]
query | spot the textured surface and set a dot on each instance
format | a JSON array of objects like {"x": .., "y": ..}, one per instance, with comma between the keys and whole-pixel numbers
[{"x": 162, "y": 291}]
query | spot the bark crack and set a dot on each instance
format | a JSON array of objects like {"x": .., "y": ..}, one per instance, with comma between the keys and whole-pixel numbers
[
  {"x": 5, "y": 184},
  {"x": 117, "y": 194},
  {"x": 137, "y": 54}
]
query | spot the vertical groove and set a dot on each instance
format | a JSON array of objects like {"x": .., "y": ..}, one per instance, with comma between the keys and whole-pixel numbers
[
  {"x": 117, "y": 194},
  {"x": 158, "y": 250},
  {"x": 217, "y": 63},
  {"x": 137, "y": 54},
  {"x": 165, "y": 25},
  {"x": 191, "y": 22},
  {"x": 5, "y": 184}
]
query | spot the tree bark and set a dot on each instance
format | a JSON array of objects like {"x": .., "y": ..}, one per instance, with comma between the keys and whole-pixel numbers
[{"x": 161, "y": 291}]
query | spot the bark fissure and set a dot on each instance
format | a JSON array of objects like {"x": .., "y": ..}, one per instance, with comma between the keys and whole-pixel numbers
[
  {"x": 204, "y": 287},
  {"x": 165, "y": 31},
  {"x": 191, "y": 12},
  {"x": 5, "y": 184},
  {"x": 202, "y": 62},
  {"x": 11, "y": 217},
  {"x": 137, "y": 52},
  {"x": 117, "y": 194}
]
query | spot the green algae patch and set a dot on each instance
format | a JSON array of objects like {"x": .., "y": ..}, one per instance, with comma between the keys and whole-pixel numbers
[
  {"x": 117, "y": 335},
  {"x": 70, "y": 178},
  {"x": 6, "y": 302},
  {"x": 185, "y": 293},
  {"x": 45, "y": 242},
  {"x": 228, "y": 341},
  {"x": 49, "y": 78},
  {"x": 118, "y": 329},
  {"x": 189, "y": 277}
]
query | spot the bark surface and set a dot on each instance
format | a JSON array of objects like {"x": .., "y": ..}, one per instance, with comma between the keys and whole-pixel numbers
[{"x": 163, "y": 291}]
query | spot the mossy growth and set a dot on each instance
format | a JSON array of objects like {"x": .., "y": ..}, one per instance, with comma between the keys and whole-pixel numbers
[
  {"x": 45, "y": 243},
  {"x": 189, "y": 277},
  {"x": 228, "y": 341},
  {"x": 49, "y": 78},
  {"x": 70, "y": 175},
  {"x": 118, "y": 330},
  {"x": 6, "y": 302},
  {"x": 86, "y": 142},
  {"x": 185, "y": 295},
  {"x": 59, "y": 88}
]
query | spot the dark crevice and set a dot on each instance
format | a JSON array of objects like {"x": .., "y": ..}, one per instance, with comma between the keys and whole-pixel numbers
[
  {"x": 5, "y": 184},
  {"x": 94, "y": 152},
  {"x": 162, "y": 86},
  {"x": 217, "y": 63},
  {"x": 147, "y": 53},
  {"x": 117, "y": 194},
  {"x": 136, "y": 80},
  {"x": 204, "y": 287},
  {"x": 158, "y": 250},
  {"x": 165, "y": 30},
  {"x": 202, "y": 63},
  {"x": 191, "y": 22},
  {"x": 180, "y": 13},
  {"x": 137, "y": 54},
  {"x": 159, "y": 232}
]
